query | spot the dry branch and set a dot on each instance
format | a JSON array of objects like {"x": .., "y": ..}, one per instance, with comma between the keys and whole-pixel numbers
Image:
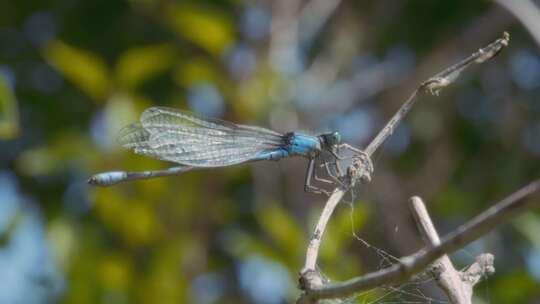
[
  {"x": 310, "y": 280},
  {"x": 457, "y": 285},
  {"x": 412, "y": 264},
  {"x": 435, "y": 84}
]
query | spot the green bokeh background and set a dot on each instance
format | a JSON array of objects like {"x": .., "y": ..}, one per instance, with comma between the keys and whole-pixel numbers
[{"x": 72, "y": 73}]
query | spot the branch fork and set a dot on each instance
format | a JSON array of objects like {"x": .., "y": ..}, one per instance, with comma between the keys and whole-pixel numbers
[{"x": 457, "y": 284}]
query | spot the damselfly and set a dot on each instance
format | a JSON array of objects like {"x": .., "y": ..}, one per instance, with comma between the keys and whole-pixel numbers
[{"x": 198, "y": 142}]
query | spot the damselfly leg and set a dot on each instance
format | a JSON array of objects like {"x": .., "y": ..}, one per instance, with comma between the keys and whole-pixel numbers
[
  {"x": 312, "y": 174},
  {"x": 361, "y": 161}
]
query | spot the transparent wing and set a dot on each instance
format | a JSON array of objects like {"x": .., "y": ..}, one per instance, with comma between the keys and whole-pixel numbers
[{"x": 185, "y": 138}]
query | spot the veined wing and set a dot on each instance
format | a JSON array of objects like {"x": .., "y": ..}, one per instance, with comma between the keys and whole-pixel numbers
[{"x": 185, "y": 138}]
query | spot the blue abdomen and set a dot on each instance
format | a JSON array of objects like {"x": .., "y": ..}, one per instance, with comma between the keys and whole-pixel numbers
[
  {"x": 301, "y": 144},
  {"x": 294, "y": 144}
]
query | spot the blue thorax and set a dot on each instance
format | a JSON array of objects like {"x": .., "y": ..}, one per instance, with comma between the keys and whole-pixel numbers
[
  {"x": 303, "y": 145},
  {"x": 294, "y": 144}
]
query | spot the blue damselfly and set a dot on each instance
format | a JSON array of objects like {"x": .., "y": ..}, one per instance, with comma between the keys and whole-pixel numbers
[{"x": 194, "y": 141}]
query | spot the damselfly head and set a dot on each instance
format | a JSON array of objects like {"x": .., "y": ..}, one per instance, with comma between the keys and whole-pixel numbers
[{"x": 332, "y": 139}]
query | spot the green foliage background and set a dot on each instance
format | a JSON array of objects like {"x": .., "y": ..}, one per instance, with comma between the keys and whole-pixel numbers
[{"x": 72, "y": 73}]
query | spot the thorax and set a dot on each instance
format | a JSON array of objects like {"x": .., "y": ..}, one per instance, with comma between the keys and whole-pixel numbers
[{"x": 303, "y": 144}]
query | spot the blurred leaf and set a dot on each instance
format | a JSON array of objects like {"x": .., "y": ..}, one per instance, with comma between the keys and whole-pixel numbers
[
  {"x": 282, "y": 228},
  {"x": 140, "y": 225},
  {"x": 62, "y": 236},
  {"x": 454, "y": 201},
  {"x": 9, "y": 229},
  {"x": 241, "y": 245},
  {"x": 201, "y": 25},
  {"x": 529, "y": 225},
  {"x": 9, "y": 117},
  {"x": 138, "y": 64},
  {"x": 341, "y": 229},
  {"x": 68, "y": 149},
  {"x": 163, "y": 279},
  {"x": 515, "y": 287},
  {"x": 38, "y": 161},
  {"x": 83, "y": 274},
  {"x": 256, "y": 95},
  {"x": 109, "y": 206},
  {"x": 334, "y": 269},
  {"x": 115, "y": 272},
  {"x": 86, "y": 70},
  {"x": 134, "y": 221},
  {"x": 120, "y": 110},
  {"x": 194, "y": 71}
]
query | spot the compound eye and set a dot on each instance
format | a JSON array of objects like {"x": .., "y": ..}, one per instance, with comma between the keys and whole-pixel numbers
[{"x": 336, "y": 138}]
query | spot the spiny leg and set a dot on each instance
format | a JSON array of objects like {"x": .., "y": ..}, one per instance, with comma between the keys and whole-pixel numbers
[
  {"x": 316, "y": 176},
  {"x": 338, "y": 157},
  {"x": 336, "y": 178},
  {"x": 322, "y": 180},
  {"x": 347, "y": 146},
  {"x": 308, "y": 187},
  {"x": 363, "y": 155},
  {"x": 361, "y": 167},
  {"x": 329, "y": 171}
]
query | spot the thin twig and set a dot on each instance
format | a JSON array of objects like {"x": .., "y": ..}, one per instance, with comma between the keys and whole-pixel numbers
[
  {"x": 392, "y": 123},
  {"x": 448, "y": 277},
  {"x": 360, "y": 168},
  {"x": 315, "y": 241},
  {"x": 435, "y": 84},
  {"x": 409, "y": 265},
  {"x": 457, "y": 285}
]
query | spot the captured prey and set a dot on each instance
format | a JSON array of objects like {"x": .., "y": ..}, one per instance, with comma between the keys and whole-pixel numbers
[{"x": 194, "y": 142}]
